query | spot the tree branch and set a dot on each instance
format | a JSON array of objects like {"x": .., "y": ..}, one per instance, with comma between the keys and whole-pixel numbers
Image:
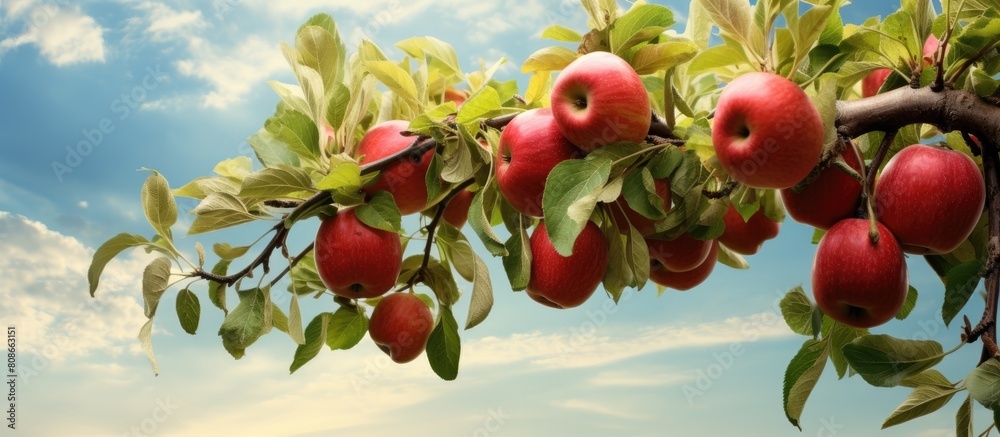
[{"x": 432, "y": 228}]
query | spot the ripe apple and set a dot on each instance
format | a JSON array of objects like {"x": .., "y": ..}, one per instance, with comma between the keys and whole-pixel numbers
[
  {"x": 684, "y": 281},
  {"x": 644, "y": 225},
  {"x": 405, "y": 178},
  {"x": 457, "y": 211},
  {"x": 566, "y": 282},
  {"x": 855, "y": 281},
  {"x": 873, "y": 81},
  {"x": 746, "y": 237},
  {"x": 930, "y": 198},
  {"x": 530, "y": 146},
  {"x": 400, "y": 326},
  {"x": 767, "y": 133},
  {"x": 354, "y": 260},
  {"x": 682, "y": 254},
  {"x": 598, "y": 100},
  {"x": 832, "y": 197},
  {"x": 455, "y": 95}
]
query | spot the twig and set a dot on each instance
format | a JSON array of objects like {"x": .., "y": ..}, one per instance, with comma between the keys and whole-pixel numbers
[
  {"x": 726, "y": 190},
  {"x": 432, "y": 228},
  {"x": 293, "y": 262}
]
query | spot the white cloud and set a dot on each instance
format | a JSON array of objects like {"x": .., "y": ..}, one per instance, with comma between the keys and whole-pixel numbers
[
  {"x": 166, "y": 23},
  {"x": 648, "y": 378},
  {"x": 83, "y": 204},
  {"x": 64, "y": 35},
  {"x": 46, "y": 297},
  {"x": 585, "y": 346},
  {"x": 232, "y": 71},
  {"x": 594, "y": 407},
  {"x": 16, "y": 7}
]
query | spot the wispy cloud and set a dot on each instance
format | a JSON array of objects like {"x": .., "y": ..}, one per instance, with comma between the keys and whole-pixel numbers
[
  {"x": 594, "y": 407},
  {"x": 64, "y": 35}
]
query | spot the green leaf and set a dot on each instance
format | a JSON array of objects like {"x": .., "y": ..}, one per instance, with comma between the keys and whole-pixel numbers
[
  {"x": 637, "y": 258},
  {"x": 798, "y": 311},
  {"x": 322, "y": 50},
  {"x": 315, "y": 337},
  {"x": 801, "y": 376},
  {"x": 270, "y": 150},
  {"x": 639, "y": 190},
  {"x": 244, "y": 325},
  {"x": 927, "y": 377},
  {"x": 884, "y": 361},
  {"x": 188, "y": 310},
  {"x": 158, "y": 204},
  {"x": 274, "y": 182},
  {"x": 839, "y": 335},
  {"x": 441, "y": 54},
  {"x": 571, "y": 192},
  {"x": 381, "y": 213},
  {"x": 601, "y": 12},
  {"x": 924, "y": 400},
  {"x": 396, "y": 79},
  {"x": 517, "y": 261},
  {"x": 548, "y": 59},
  {"x": 345, "y": 176},
  {"x": 218, "y": 211},
  {"x": 961, "y": 283},
  {"x": 279, "y": 320},
  {"x": 640, "y": 24},
  {"x": 346, "y": 328},
  {"x": 909, "y": 304},
  {"x": 297, "y": 132},
  {"x": 295, "y": 321},
  {"x": 217, "y": 291},
  {"x": 482, "y": 294},
  {"x": 155, "y": 279},
  {"x": 444, "y": 346},
  {"x": 963, "y": 419},
  {"x": 482, "y": 104},
  {"x": 560, "y": 33},
  {"x": 732, "y": 259},
  {"x": 440, "y": 280},
  {"x": 658, "y": 57},
  {"x": 733, "y": 17},
  {"x": 146, "y": 342},
  {"x": 227, "y": 252},
  {"x": 483, "y": 204},
  {"x": 984, "y": 384},
  {"x": 108, "y": 251}
]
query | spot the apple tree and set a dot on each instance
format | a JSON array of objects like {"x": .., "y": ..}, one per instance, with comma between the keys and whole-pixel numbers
[{"x": 636, "y": 157}]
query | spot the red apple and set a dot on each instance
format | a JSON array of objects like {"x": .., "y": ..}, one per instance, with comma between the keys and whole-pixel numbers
[
  {"x": 855, "y": 281},
  {"x": 455, "y": 95},
  {"x": 873, "y": 81},
  {"x": 767, "y": 133},
  {"x": 930, "y": 48},
  {"x": 566, "y": 282},
  {"x": 354, "y": 260},
  {"x": 457, "y": 211},
  {"x": 598, "y": 100},
  {"x": 832, "y": 197},
  {"x": 530, "y": 146},
  {"x": 930, "y": 198},
  {"x": 682, "y": 254},
  {"x": 644, "y": 225},
  {"x": 400, "y": 325},
  {"x": 746, "y": 237},
  {"x": 405, "y": 179},
  {"x": 684, "y": 281}
]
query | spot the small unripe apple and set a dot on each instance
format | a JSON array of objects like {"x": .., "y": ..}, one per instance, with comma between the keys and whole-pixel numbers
[
  {"x": 566, "y": 282},
  {"x": 832, "y": 197},
  {"x": 684, "y": 281},
  {"x": 858, "y": 282},
  {"x": 530, "y": 147},
  {"x": 457, "y": 211},
  {"x": 931, "y": 198},
  {"x": 766, "y": 133},
  {"x": 405, "y": 179},
  {"x": 400, "y": 326},
  {"x": 598, "y": 100},
  {"x": 682, "y": 254},
  {"x": 644, "y": 225},
  {"x": 354, "y": 260},
  {"x": 746, "y": 237}
]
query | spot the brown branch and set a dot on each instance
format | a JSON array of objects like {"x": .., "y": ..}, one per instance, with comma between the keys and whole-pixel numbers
[
  {"x": 432, "y": 228},
  {"x": 293, "y": 262},
  {"x": 726, "y": 190},
  {"x": 498, "y": 122},
  {"x": 987, "y": 325},
  {"x": 949, "y": 110}
]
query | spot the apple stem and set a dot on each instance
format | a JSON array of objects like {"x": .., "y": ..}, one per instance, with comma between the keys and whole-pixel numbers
[
  {"x": 827, "y": 159},
  {"x": 842, "y": 166},
  {"x": 661, "y": 128}
]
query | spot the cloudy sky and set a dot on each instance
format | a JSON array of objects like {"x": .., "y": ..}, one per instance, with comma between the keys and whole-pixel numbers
[{"x": 178, "y": 87}]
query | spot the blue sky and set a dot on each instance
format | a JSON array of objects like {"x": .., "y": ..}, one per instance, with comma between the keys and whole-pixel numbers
[{"x": 178, "y": 87}]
